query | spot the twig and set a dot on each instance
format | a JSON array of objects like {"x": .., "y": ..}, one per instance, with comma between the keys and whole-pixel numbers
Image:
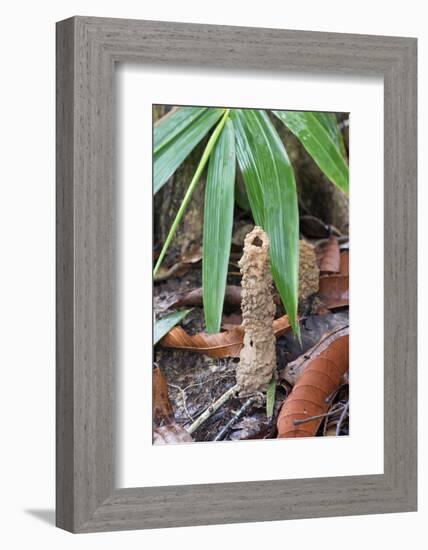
[
  {"x": 333, "y": 394},
  {"x": 212, "y": 409},
  {"x": 237, "y": 416},
  {"x": 342, "y": 417},
  {"x": 310, "y": 418}
]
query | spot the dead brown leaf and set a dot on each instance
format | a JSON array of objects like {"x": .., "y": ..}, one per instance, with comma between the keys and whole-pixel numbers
[
  {"x": 309, "y": 397},
  {"x": 330, "y": 262},
  {"x": 223, "y": 344},
  {"x": 334, "y": 291},
  {"x": 170, "y": 434},
  {"x": 163, "y": 412},
  {"x": 344, "y": 262},
  {"x": 166, "y": 430}
]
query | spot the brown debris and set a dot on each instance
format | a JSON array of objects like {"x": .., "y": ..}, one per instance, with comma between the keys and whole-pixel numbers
[
  {"x": 258, "y": 355},
  {"x": 334, "y": 287}
]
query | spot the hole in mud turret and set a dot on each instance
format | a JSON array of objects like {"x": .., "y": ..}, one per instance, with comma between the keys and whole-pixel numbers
[{"x": 257, "y": 242}]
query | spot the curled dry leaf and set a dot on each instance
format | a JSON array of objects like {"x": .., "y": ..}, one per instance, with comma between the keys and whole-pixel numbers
[
  {"x": 170, "y": 434},
  {"x": 163, "y": 412},
  {"x": 309, "y": 397},
  {"x": 330, "y": 262},
  {"x": 223, "y": 344},
  {"x": 195, "y": 297}
]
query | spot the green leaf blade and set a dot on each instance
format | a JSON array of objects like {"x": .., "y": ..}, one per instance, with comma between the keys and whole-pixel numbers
[
  {"x": 168, "y": 157},
  {"x": 329, "y": 121},
  {"x": 270, "y": 397},
  {"x": 315, "y": 138},
  {"x": 271, "y": 188},
  {"x": 218, "y": 222},
  {"x": 173, "y": 123},
  {"x": 245, "y": 147},
  {"x": 164, "y": 325},
  {"x": 241, "y": 197}
]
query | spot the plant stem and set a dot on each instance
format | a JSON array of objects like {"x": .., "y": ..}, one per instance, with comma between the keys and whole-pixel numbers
[{"x": 195, "y": 180}]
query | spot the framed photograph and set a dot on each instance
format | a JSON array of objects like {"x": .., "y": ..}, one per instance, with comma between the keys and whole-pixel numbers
[{"x": 236, "y": 274}]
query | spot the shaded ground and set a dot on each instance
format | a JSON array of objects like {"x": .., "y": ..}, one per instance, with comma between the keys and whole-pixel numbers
[{"x": 195, "y": 380}]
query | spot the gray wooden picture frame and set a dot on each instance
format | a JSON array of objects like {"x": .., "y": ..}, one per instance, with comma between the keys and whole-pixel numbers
[{"x": 87, "y": 51}]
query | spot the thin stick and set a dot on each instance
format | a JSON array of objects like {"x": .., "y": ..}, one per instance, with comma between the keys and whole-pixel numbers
[
  {"x": 333, "y": 394},
  {"x": 342, "y": 417},
  {"x": 237, "y": 416},
  {"x": 212, "y": 409},
  {"x": 310, "y": 418}
]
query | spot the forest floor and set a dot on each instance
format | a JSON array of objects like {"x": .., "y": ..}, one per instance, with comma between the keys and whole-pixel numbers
[{"x": 195, "y": 380}]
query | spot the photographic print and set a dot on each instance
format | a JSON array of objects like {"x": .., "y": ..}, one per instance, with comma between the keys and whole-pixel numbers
[{"x": 250, "y": 274}]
